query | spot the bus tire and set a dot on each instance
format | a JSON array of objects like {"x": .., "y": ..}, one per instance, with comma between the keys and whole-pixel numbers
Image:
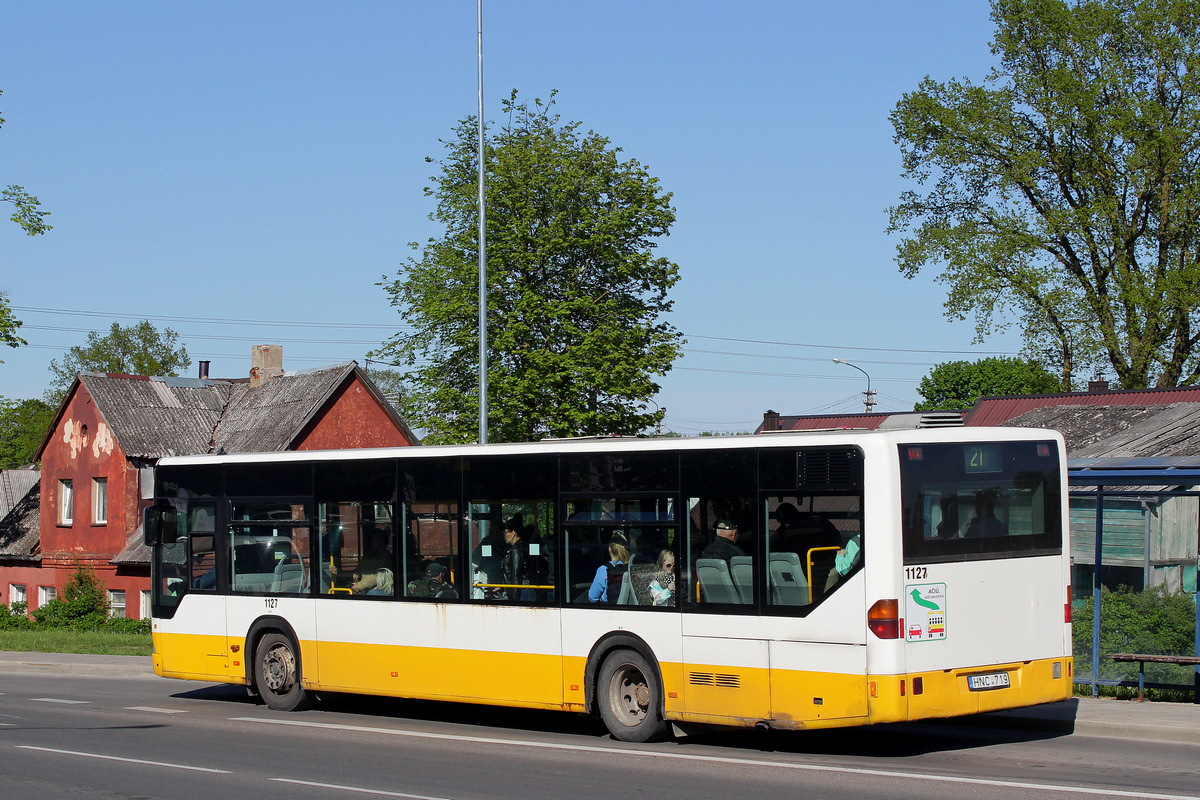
[
  {"x": 630, "y": 698},
  {"x": 277, "y": 674}
]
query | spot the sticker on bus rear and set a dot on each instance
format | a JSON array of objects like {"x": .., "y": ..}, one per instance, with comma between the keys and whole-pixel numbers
[{"x": 925, "y": 612}]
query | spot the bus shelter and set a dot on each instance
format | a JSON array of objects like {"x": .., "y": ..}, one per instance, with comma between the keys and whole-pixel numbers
[{"x": 1107, "y": 486}]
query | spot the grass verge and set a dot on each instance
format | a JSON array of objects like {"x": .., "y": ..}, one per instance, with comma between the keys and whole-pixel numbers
[{"x": 68, "y": 640}]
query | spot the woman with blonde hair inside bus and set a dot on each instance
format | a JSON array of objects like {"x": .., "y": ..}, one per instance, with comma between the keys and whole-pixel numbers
[
  {"x": 607, "y": 583},
  {"x": 383, "y": 582}
]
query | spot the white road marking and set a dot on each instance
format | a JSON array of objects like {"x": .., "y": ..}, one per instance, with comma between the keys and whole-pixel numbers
[
  {"x": 358, "y": 789},
  {"x": 61, "y": 700},
  {"x": 745, "y": 762},
  {"x": 119, "y": 758},
  {"x": 156, "y": 710}
]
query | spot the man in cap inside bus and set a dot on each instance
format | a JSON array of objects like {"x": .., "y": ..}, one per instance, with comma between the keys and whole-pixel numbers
[
  {"x": 725, "y": 545},
  {"x": 434, "y": 584}
]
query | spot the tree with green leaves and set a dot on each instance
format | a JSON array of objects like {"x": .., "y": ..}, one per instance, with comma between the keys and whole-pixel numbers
[
  {"x": 576, "y": 298},
  {"x": 959, "y": 384},
  {"x": 23, "y": 425},
  {"x": 1064, "y": 191},
  {"x": 139, "y": 349},
  {"x": 9, "y": 325},
  {"x": 25, "y": 205}
]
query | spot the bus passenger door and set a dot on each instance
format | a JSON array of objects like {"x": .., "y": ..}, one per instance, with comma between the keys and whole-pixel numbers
[{"x": 819, "y": 662}]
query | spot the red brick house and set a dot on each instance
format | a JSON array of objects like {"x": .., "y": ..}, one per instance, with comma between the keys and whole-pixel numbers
[{"x": 111, "y": 429}]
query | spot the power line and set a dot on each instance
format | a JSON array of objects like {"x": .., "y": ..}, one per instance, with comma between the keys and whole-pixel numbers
[
  {"x": 790, "y": 375},
  {"x": 851, "y": 347},
  {"x": 210, "y": 320},
  {"x": 397, "y": 326},
  {"x": 274, "y": 339}
]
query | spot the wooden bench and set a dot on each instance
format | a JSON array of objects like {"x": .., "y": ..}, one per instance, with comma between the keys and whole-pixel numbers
[{"x": 1142, "y": 658}]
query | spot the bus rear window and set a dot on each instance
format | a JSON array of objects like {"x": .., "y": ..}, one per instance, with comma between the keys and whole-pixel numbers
[{"x": 978, "y": 500}]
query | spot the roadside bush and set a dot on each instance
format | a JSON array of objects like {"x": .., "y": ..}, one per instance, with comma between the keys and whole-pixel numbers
[
  {"x": 15, "y": 617},
  {"x": 83, "y": 603},
  {"x": 123, "y": 625},
  {"x": 1151, "y": 622},
  {"x": 52, "y": 615}
]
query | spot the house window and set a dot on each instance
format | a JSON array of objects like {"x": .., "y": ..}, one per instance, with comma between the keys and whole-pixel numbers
[
  {"x": 116, "y": 603},
  {"x": 46, "y": 594},
  {"x": 16, "y": 593},
  {"x": 99, "y": 501},
  {"x": 66, "y": 503},
  {"x": 144, "y": 611}
]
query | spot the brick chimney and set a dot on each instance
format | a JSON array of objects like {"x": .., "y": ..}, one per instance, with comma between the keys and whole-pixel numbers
[
  {"x": 1097, "y": 386},
  {"x": 770, "y": 421},
  {"x": 266, "y": 362}
]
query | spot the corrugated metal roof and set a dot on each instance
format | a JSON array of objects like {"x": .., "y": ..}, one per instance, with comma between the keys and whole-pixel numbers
[
  {"x": 14, "y": 483},
  {"x": 1121, "y": 432},
  {"x": 868, "y": 422},
  {"x": 998, "y": 410},
  {"x": 150, "y": 418},
  {"x": 19, "y": 533},
  {"x": 135, "y": 553},
  {"x": 157, "y": 417},
  {"x": 267, "y": 418}
]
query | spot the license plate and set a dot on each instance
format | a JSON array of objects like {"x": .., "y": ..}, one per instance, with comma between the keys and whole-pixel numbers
[{"x": 992, "y": 680}]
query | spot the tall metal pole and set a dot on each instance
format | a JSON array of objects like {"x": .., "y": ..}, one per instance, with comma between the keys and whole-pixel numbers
[
  {"x": 483, "y": 429},
  {"x": 869, "y": 400}
]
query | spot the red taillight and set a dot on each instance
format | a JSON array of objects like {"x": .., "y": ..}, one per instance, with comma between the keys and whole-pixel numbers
[
  {"x": 1067, "y": 610},
  {"x": 884, "y": 619}
]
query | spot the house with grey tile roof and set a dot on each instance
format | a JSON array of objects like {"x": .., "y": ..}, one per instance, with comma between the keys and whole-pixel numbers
[{"x": 111, "y": 429}]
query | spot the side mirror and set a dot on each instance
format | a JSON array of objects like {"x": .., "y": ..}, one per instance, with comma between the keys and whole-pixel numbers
[{"x": 158, "y": 519}]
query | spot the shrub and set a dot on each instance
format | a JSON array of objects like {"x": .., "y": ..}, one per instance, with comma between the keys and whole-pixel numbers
[
  {"x": 1151, "y": 622},
  {"x": 83, "y": 603},
  {"x": 15, "y": 616},
  {"x": 123, "y": 625},
  {"x": 52, "y": 615}
]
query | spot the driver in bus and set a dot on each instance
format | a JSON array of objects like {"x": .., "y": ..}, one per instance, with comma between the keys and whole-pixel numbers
[{"x": 985, "y": 522}]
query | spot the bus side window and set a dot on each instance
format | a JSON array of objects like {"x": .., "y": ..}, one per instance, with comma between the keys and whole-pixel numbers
[
  {"x": 813, "y": 542},
  {"x": 722, "y": 552}
]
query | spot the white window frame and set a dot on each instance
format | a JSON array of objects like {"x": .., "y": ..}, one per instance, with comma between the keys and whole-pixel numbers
[
  {"x": 113, "y": 605},
  {"x": 66, "y": 501},
  {"x": 99, "y": 501},
  {"x": 47, "y": 594},
  {"x": 144, "y": 609},
  {"x": 17, "y": 593}
]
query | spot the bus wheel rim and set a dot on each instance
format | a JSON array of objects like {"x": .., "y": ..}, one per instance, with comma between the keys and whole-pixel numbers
[
  {"x": 629, "y": 695},
  {"x": 279, "y": 669}
]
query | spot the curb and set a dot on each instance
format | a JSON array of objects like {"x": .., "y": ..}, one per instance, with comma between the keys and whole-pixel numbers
[{"x": 37, "y": 664}]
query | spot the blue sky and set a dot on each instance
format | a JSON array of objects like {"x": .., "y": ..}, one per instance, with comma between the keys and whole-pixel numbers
[{"x": 262, "y": 165}]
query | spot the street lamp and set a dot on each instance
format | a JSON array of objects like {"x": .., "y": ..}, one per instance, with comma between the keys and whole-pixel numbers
[{"x": 869, "y": 401}]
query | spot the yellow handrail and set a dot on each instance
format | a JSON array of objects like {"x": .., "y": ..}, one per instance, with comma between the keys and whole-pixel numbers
[
  {"x": 810, "y": 566},
  {"x": 508, "y": 586}
]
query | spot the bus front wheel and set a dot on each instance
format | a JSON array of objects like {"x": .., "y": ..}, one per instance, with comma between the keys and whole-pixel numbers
[
  {"x": 277, "y": 674},
  {"x": 630, "y": 698}
]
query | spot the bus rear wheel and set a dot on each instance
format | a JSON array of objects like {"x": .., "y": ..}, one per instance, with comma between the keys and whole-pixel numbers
[
  {"x": 630, "y": 698},
  {"x": 277, "y": 674}
]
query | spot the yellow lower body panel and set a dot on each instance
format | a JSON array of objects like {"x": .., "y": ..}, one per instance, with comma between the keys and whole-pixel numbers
[
  {"x": 704, "y": 694},
  {"x": 518, "y": 679},
  {"x": 195, "y": 657}
]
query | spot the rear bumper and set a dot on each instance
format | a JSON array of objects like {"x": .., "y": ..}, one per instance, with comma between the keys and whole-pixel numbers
[{"x": 947, "y": 693}]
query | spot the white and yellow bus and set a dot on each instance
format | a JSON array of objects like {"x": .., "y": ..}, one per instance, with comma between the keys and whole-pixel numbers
[{"x": 791, "y": 581}]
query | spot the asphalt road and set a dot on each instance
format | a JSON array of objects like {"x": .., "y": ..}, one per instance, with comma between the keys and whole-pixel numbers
[{"x": 68, "y": 736}]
